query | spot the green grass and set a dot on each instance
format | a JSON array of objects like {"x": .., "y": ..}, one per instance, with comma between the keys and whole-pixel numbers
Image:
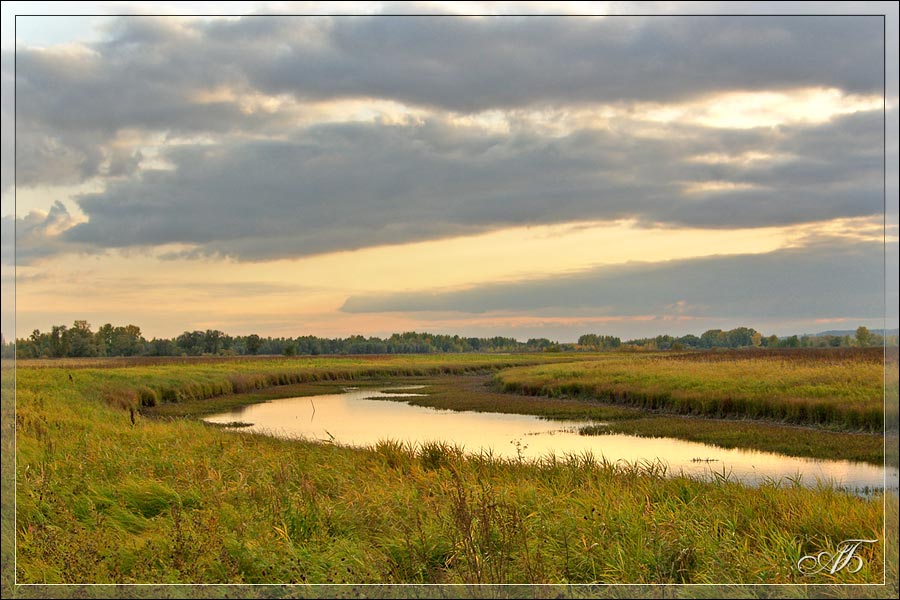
[
  {"x": 473, "y": 393},
  {"x": 230, "y": 402},
  {"x": 843, "y": 393},
  {"x": 100, "y": 500},
  {"x": 159, "y": 384},
  {"x": 174, "y": 500}
]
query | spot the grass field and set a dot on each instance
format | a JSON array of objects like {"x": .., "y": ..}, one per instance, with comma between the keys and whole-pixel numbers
[
  {"x": 839, "y": 390},
  {"x": 174, "y": 500},
  {"x": 474, "y": 393},
  {"x": 154, "y": 381}
]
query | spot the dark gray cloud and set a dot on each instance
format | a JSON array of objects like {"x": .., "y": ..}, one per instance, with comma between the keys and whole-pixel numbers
[
  {"x": 817, "y": 281},
  {"x": 477, "y": 64},
  {"x": 335, "y": 187},
  {"x": 471, "y": 65},
  {"x": 147, "y": 73}
]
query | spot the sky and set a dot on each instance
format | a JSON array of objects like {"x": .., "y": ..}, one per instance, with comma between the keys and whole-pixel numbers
[{"x": 627, "y": 169}]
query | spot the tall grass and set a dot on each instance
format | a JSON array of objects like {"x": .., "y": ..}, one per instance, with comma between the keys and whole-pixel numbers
[
  {"x": 844, "y": 393},
  {"x": 102, "y": 500},
  {"x": 473, "y": 393},
  {"x": 139, "y": 384}
]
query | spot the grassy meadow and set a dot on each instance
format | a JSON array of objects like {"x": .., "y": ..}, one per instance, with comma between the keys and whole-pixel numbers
[
  {"x": 481, "y": 394},
  {"x": 841, "y": 389},
  {"x": 169, "y": 499}
]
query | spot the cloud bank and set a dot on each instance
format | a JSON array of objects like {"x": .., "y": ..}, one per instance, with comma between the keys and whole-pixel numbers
[
  {"x": 818, "y": 281},
  {"x": 205, "y": 132}
]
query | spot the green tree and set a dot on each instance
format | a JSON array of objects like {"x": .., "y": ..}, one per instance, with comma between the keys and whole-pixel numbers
[
  {"x": 253, "y": 344},
  {"x": 212, "y": 341},
  {"x": 863, "y": 336},
  {"x": 128, "y": 341},
  {"x": 713, "y": 338},
  {"x": 79, "y": 340},
  {"x": 589, "y": 339},
  {"x": 789, "y": 342},
  {"x": 103, "y": 339},
  {"x": 59, "y": 342},
  {"x": 190, "y": 343}
]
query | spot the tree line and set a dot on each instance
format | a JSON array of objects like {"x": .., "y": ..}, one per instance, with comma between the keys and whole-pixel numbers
[
  {"x": 80, "y": 340},
  {"x": 745, "y": 337},
  {"x": 108, "y": 341}
]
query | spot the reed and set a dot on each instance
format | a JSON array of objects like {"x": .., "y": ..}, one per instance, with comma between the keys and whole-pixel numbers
[{"x": 843, "y": 392}]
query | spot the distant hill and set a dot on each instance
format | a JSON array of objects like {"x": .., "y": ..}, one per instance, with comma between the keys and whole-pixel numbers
[{"x": 852, "y": 332}]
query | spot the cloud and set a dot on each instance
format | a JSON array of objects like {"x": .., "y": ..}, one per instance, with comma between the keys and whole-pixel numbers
[
  {"x": 36, "y": 235},
  {"x": 184, "y": 78},
  {"x": 342, "y": 186},
  {"x": 837, "y": 279},
  {"x": 476, "y": 64},
  {"x": 233, "y": 168}
]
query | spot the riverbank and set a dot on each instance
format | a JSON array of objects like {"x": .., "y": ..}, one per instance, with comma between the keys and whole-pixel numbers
[{"x": 476, "y": 392}]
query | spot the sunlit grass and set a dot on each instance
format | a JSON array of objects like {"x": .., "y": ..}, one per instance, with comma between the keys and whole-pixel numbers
[
  {"x": 471, "y": 393},
  {"x": 845, "y": 393},
  {"x": 102, "y": 500}
]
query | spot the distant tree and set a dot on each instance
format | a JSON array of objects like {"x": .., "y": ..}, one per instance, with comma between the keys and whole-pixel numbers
[
  {"x": 599, "y": 342},
  {"x": 610, "y": 342},
  {"x": 190, "y": 343},
  {"x": 253, "y": 344},
  {"x": 538, "y": 343},
  {"x": 104, "y": 340},
  {"x": 123, "y": 341},
  {"x": 59, "y": 343},
  {"x": 863, "y": 336},
  {"x": 690, "y": 341},
  {"x": 739, "y": 337},
  {"x": 79, "y": 340},
  {"x": 162, "y": 347},
  {"x": 712, "y": 338},
  {"x": 589, "y": 339},
  {"x": 212, "y": 341},
  {"x": 664, "y": 342},
  {"x": 789, "y": 342}
]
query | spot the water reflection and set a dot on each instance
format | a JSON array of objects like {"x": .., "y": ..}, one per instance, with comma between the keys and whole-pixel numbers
[{"x": 363, "y": 417}]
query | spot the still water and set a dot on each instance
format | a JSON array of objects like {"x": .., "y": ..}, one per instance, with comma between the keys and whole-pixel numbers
[{"x": 364, "y": 417}]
